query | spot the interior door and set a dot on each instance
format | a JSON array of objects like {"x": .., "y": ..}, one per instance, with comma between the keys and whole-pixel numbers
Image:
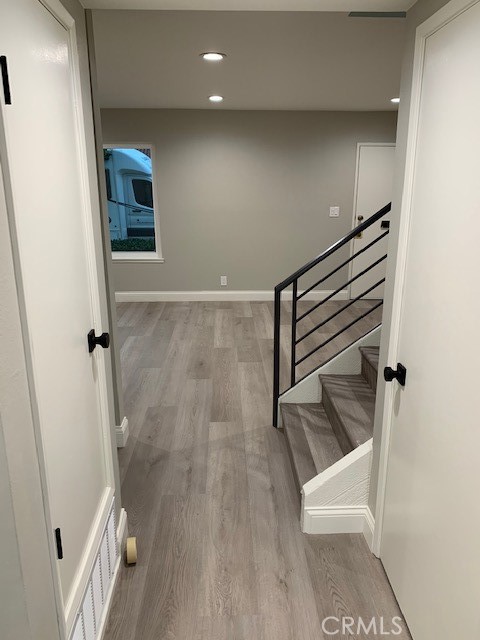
[
  {"x": 55, "y": 245},
  {"x": 431, "y": 533},
  {"x": 373, "y": 190}
]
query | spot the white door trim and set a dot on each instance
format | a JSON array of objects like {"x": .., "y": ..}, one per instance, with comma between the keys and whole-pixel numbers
[
  {"x": 448, "y": 13},
  {"x": 355, "y": 199}
]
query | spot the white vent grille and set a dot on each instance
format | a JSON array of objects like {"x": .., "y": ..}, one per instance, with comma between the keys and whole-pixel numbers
[{"x": 90, "y": 618}]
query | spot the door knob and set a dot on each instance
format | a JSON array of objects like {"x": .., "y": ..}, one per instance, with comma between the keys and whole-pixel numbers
[
  {"x": 399, "y": 374},
  {"x": 93, "y": 340},
  {"x": 359, "y": 235}
]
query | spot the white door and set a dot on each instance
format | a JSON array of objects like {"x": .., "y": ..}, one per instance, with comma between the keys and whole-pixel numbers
[
  {"x": 53, "y": 223},
  {"x": 431, "y": 534},
  {"x": 373, "y": 190}
]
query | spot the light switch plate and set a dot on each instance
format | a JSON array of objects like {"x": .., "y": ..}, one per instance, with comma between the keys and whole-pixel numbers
[{"x": 334, "y": 212}]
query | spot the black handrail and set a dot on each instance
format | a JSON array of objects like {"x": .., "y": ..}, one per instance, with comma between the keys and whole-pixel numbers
[
  {"x": 293, "y": 280},
  {"x": 335, "y": 247}
]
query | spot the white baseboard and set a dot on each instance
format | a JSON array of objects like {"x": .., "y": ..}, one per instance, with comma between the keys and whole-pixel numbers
[
  {"x": 369, "y": 527},
  {"x": 212, "y": 296},
  {"x": 122, "y": 433},
  {"x": 324, "y": 520},
  {"x": 122, "y": 530}
]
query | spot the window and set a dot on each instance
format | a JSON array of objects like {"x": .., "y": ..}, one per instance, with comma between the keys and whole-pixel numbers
[
  {"x": 142, "y": 190},
  {"x": 132, "y": 218}
]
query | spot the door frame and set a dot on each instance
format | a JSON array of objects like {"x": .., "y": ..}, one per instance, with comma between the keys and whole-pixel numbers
[
  {"x": 66, "y": 609},
  {"x": 355, "y": 198},
  {"x": 396, "y": 285}
]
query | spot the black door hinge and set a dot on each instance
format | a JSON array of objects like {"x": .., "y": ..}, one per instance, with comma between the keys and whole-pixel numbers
[
  {"x": 58, "y": 540},
  {"x": 5, "y": 80}
]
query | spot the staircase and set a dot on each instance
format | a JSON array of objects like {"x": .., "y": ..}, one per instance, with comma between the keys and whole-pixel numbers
[
  {"x": 321, "y": 433},
  {"x": 327, "y": 411}
]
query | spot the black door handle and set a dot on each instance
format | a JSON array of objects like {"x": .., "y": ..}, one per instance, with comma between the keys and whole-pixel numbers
[
  {"x": 93, "y": 340},
  {"x": 385, "y": 224},
  {"x": 137, "y": 210},
  {"x": 399, "y": 374}
]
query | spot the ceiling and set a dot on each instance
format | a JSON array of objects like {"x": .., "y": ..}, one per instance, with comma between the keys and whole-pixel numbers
[
  {"x": 275, "y": 60},
  {"x": 253, "y": 5}
]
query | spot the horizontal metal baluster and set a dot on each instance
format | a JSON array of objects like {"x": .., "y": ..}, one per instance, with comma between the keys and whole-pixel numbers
[
  {"x": 359, "y": 275},
  {"x": 331, "y": 357},
  {"x": 344, "y": 264},
  {"x": 295, "y": 277},
  {"x": 364, "y": 315},
  {"x": 352, "y": 301}
]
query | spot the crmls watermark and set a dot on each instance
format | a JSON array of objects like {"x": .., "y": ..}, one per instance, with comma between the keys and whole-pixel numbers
[{"x": 333, "y": 626}]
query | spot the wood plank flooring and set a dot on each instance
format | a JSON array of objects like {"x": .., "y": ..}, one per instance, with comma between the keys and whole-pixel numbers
[{"x": 210, "y": 495}]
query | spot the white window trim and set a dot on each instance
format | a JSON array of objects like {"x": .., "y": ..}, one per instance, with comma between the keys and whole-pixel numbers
[{"x": 142, "y": 256}]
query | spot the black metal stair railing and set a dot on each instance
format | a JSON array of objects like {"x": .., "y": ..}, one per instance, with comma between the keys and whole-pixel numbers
[{"x": 293, "y": 282}]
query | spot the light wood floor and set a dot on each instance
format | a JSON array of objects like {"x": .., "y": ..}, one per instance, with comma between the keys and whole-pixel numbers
[{"x": 210, "y": 495}]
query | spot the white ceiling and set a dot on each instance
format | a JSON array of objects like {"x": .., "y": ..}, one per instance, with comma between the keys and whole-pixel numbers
[
  {"x": 276, "y": 60},
  {"x": 253, "y": 5}
]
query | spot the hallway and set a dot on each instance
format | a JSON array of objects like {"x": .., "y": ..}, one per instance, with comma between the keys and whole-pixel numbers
[{"x": 209, "y": 491}]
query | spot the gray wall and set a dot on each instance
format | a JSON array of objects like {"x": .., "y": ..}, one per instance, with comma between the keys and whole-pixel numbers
[
  {"x": 244, "y": 193},
  {"x": 420, "y": 11}
]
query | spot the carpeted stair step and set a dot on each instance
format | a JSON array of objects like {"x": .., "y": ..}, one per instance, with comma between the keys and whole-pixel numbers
[{"x": 349, "y": 403}]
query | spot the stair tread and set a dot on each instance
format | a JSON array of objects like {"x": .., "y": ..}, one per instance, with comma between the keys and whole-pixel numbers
[
  {"x": 371, "y": 354},
  {"x": 352, "y": 402},
  {"x": 312, "y": 443}
]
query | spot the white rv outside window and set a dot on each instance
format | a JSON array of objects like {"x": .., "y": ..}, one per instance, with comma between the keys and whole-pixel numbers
[{"x": 132, "y": 207}]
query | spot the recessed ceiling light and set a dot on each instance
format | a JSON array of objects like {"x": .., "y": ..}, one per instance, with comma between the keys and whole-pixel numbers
[
  {"x": 215, "y": 98},
  {"x": 395, "y": 100},
  {"x": 213, "y": 56}
]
